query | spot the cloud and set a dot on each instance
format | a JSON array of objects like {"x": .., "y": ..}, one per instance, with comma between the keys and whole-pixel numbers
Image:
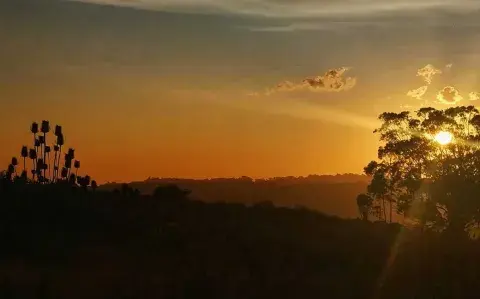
[
  {"x": 323, "y": 25},
  {"x": 290, "y": 27},
  {"x": 474, "y": 96},
  {"x": 418, "y": 93},
  {"x": 427, "y": 72},
  {"x": 294, "y": 9},
  {"x": 449, "y": 95},
  {"x": 332, "y": 81}
]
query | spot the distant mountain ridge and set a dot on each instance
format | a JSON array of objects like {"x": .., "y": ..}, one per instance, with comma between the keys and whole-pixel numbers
[
  {"x": 330, "y": 194},
  {"x": 323, "y": 178}
]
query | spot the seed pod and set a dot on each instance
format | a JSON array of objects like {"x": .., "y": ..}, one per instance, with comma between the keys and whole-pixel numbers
[
  {"x": 45, "y": 126},
  {"x": 24, "y": 152},
  {"x": 34, "y": 128}
]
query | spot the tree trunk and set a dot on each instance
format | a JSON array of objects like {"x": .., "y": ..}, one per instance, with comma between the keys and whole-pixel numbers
[
  {"x": 384, "y": 210},
  {"x": 391, "y": 209}
]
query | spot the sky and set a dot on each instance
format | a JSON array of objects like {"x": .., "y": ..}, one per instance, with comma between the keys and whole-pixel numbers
[{"x": 226, "y": 88}]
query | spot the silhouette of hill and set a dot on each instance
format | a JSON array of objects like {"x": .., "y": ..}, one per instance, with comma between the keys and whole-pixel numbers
[
  {"x": 330, "y": 194},
  {"x": 65, "y": 241}
]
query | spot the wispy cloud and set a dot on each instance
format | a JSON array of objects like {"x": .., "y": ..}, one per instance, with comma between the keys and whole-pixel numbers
[
  {"x": 289, "y": 28},
  {"x": 332, "y": 81},
  {"x": 293, "y": 9},
  {"x": 311, "y": 26},
  {"x": 418, "y": 93}
]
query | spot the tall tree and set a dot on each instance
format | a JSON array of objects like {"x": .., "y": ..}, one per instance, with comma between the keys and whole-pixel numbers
[{"x": 428, "y": 166}]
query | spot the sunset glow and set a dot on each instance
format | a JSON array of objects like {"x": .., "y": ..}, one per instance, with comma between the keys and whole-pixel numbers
[
  {"x": 443, "y": 137},
  {"x": 261, "y": 95}
]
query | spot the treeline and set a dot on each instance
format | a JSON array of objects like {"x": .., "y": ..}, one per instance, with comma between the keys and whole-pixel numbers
[{"x": 333, "y": 195}]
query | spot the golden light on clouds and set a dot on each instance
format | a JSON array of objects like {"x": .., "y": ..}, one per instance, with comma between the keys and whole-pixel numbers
[
  {"x": 474, "y": 96},
  {"x": 332, "y": 81},
  {"x": 449, "y": 95},
  {"x": 428, "y": 72},
  {"x": 418, "y": 93}
]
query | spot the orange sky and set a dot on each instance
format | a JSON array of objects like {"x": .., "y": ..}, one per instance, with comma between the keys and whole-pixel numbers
[{"x": 149, "y": 93}]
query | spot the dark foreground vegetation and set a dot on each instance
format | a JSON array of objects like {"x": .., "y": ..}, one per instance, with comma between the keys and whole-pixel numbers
[{"x": 60, "y": 241}]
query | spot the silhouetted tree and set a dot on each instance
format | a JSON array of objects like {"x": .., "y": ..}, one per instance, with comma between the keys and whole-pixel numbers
[
  {"x": 364, "y": 203},
  {"x": 411, "y": 158}
]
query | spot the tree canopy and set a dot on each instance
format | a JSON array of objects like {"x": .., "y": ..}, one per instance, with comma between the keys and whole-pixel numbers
[{"x": 435, "y": 181}]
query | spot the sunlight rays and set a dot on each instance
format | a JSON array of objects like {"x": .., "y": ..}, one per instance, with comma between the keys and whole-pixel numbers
[
  {"x": 303, "y": 110},
  {"x": 443, "y": 137}
]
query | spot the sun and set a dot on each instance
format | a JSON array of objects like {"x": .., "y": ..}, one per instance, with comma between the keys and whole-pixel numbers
[{"x": 443, "y": 137}]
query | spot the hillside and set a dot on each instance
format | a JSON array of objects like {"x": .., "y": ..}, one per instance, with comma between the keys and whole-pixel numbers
[
  {"x": 67, "y": 242},
  {"x": 333, "y": 195}
]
